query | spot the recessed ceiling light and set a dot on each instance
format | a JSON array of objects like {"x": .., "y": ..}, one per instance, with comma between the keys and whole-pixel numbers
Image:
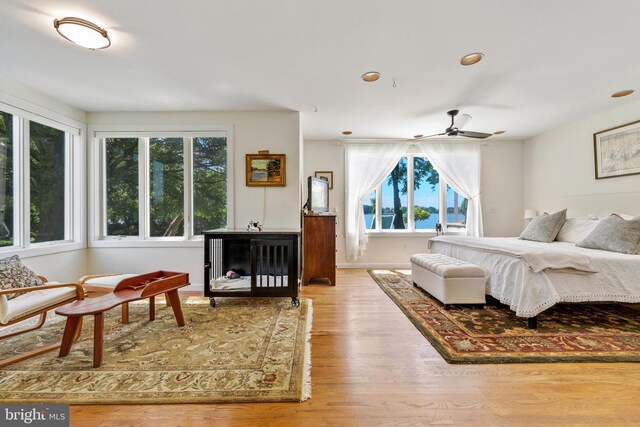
[
  {"x": 622, "y": 93},
  {"x": 418, "y": 136},
  {"x": 371, "y": 76},
  {"x": 347, "y": 132},
  {"x": 472, "y": 58},
  {"x": 82, "y": 32},
  {"x": 499, "y": 132}
]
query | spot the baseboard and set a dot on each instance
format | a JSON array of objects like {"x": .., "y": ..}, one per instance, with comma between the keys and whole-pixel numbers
[{"x": 374, "y": 266}]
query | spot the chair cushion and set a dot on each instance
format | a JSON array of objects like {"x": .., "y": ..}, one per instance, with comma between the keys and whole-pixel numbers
[
  {"x": 14, "y": 274},
  {"x": 31, "y": 302},
  {"x": 105, "y": 283}
]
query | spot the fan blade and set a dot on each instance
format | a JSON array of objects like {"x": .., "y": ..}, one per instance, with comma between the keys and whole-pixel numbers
[
  {"x": 461, "y": 121},
  {"x": 427, "y": 136},
  {"x": 471, "y": 134}
]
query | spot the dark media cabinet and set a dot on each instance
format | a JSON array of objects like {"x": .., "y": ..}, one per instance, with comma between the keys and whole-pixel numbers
[{"x": 269, "y": 258}]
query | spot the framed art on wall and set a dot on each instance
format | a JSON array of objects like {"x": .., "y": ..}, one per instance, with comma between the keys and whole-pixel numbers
[
  {"x": 617, "y": 151},
  {"x": 327, "y": 176},
  {"x": 266, "y": 170}
]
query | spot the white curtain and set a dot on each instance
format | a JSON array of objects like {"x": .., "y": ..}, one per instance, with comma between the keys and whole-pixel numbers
[
  {"x": 366, "y": 166},
  {"x": 459, "y": 165}
]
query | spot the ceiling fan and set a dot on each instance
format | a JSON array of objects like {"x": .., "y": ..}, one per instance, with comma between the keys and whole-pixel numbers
[{"x": 455, "y": 129}]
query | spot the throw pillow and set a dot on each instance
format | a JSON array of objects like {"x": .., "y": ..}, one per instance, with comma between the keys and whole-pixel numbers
[
  {"x": 14, "y": 274},
  {"x": 614, "y": 234},
  {"x": 576, "y": 229},
  {"x": 545, "y": 227}
]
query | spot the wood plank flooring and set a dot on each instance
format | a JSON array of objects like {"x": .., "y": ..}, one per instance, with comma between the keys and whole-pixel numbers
[{"x": 371, "y": 367}]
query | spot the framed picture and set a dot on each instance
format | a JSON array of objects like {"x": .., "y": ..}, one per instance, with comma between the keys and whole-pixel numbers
[
  {"x": 617, "y": 151},
  {"x": 266, "y": 170},
  {"x": 327, "y": 176}
]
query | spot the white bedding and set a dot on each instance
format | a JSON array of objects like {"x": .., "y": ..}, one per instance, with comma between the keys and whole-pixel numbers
[{"x": 511, "y": 266}]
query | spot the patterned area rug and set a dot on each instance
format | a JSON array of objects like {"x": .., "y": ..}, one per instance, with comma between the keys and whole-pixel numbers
[
  {"x": 493, "y": 334},
  {"x": 244, "y": 350}
]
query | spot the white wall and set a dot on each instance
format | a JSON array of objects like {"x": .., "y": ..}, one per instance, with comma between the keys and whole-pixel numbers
[
  {"x": 501, "y": 191},
  {"x": 275, "y": 207},
  {"x": 559, "y": 169}
]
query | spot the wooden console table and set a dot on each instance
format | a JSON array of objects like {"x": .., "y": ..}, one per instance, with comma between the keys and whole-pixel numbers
[{"x": 132, "y": 289}]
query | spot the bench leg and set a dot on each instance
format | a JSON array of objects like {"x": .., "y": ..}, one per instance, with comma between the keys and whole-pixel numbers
[
  {"x": 152, "y": 308},
  {"x": 167, "y": 300},
  {"x": 125, "y": 313},
  {"x": 175, "y": 305},
  {"x": 98, "y": 334},
  {"x": 447, "y": 306},
  {"x": 71, "y": 332}
]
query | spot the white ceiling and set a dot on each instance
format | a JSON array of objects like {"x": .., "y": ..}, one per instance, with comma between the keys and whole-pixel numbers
[{"x": 547, "y": 62}]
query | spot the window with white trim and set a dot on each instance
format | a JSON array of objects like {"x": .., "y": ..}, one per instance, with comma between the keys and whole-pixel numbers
[
  {"x": 414, "y": 182},
  {"x": 38, "y": 199},
  {"x": 163, "y": 186}
]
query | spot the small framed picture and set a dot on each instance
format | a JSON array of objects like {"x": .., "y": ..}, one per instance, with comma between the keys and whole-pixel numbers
[
  {"x": 266, "y": 170},
  {"x": 327, "y": 176}
]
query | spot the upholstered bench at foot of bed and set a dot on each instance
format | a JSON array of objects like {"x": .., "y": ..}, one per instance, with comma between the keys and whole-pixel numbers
[{"x": 449, "y": 280}]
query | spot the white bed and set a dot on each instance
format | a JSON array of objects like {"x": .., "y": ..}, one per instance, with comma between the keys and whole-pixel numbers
[{"x": 531, "y": 276}]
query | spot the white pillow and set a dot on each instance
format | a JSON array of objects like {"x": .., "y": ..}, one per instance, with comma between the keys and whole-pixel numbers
[{"x": 576, "y": 229}]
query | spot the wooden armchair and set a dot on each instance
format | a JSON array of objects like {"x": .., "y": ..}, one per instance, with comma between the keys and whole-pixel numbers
[{"x": 30, "y": 302}]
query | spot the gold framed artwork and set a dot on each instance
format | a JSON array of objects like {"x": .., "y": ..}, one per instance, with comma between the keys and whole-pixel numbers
[
  {"x": 327, "y": 176},
  {"x": 617, "y": 151},
  {"x": 266, "y": 170}
]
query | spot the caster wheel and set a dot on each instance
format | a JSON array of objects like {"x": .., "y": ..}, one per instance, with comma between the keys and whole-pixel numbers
[
  {"x": 212, "y": 302},
  {"x": 295, "y": 302}
]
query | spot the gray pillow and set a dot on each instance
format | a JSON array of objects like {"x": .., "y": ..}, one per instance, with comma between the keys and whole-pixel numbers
[
  {"x": 545, "y": 227},
  {"x": 614, "y": 234}
]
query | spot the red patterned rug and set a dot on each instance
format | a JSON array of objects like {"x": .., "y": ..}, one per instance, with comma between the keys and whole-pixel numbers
[{"x": 493, "y": 334}]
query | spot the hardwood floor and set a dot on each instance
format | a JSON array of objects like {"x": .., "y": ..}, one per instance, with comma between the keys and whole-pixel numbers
[{"x": 372, "y": 367}]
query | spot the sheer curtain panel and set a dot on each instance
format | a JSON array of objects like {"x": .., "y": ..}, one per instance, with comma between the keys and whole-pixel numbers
[
  {"x": 367, "y": 165},
  {"x": 459, "y": 165}
]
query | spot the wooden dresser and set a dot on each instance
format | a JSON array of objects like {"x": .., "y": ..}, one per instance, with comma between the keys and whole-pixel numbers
[{"x": 319, "y": 249}]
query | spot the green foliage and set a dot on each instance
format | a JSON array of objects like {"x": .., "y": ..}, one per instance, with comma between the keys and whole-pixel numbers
[
  {"x": 423, "y": 173},
  {"x": 166, "y": 198}
]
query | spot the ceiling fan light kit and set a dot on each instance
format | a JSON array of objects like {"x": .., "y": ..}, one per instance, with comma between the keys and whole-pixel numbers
[
  {"x": 455, "y": 129},
  {"x": 82, "y": 32}
]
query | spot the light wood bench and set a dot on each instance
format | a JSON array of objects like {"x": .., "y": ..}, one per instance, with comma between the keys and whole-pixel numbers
[{"x": 131, "y": 289}]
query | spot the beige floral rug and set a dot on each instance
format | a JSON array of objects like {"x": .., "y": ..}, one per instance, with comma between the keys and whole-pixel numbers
[{"x": 243, "y": 350}]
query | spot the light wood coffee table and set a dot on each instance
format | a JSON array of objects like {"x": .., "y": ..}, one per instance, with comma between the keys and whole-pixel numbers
[{"x": 132, "y": 289}]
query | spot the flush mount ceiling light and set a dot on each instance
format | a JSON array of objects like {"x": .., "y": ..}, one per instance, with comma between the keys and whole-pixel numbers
[
  {"x": 499, "y": 132},
  {"x": 347, "y": 132},
  {"x": 371, "y": 76},
  {"x": 82, "y": 32},
  {"x": 472, "y": 58},
  {"x": 622, "y": 93}
]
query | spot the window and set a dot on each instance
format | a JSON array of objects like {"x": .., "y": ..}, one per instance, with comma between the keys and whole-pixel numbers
[
  {"x": 6, "y": 180},
  {"x": 414, "y": 182},
  {"x": 39, "y": 157},
  {"x": 163, "y": 187}
]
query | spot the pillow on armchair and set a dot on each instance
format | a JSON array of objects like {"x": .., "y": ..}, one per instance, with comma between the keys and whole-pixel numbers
[{"x": 14, "y": 274}]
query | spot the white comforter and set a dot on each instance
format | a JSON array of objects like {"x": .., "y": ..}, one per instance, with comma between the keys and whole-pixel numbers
[{"x": 533, "y": 276}]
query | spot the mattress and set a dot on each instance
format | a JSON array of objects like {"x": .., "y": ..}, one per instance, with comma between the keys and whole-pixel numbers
[{"x": 511, "y": 280}]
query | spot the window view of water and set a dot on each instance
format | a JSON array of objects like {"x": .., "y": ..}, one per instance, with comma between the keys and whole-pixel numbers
[{"x": 427, "y": 224}]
